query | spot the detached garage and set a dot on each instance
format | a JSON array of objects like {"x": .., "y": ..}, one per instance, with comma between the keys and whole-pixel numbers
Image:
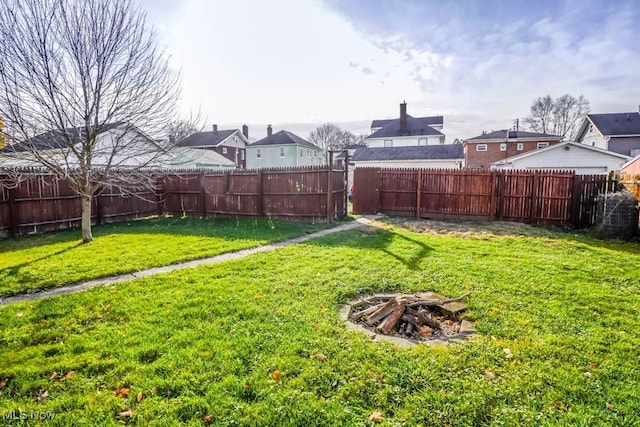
[{"x": 581, "y": 158}]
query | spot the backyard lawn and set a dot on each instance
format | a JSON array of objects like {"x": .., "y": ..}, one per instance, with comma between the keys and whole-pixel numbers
[
  {"x": 259, "y": 342},
  {"x": 58, "y": 258}
]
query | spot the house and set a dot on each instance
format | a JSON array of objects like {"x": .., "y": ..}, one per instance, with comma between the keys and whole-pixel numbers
[
  {"x": 198, "y": 158},
  {"x": 283, "y": 149},
  {"x": 581, "y": 158},
  {"x": 617, "y": 132},
  {"x": 632, "y": 167},
  {"x": 230, "y": 143},
  {"x": 483, "y": 150},
  {"x": 450, "y": 156},
  {"x": 117, "y": 145},
  {"x": 406, "y": 131}
]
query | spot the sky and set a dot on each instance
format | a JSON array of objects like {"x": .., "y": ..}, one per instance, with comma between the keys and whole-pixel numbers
[{"x": 296, "y": 64}]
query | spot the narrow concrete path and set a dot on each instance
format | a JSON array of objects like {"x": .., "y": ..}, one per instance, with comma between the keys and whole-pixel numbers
[{"x": 79, "y": 287}]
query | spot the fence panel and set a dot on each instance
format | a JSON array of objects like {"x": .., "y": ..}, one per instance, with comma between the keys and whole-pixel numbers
[{"x": 456, "y": 194}]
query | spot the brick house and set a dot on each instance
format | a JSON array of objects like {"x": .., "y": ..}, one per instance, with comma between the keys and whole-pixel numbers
[
  {"x": 230, "y": 143},
  {"x": 483, "y": 150}
]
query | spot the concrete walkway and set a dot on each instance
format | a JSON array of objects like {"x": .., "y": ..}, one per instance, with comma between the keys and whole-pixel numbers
[{"x": 79, "y": 287}]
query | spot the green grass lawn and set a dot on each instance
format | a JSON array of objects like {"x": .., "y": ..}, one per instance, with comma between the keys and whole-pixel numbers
[
  {"x": 238, "y": 343},
  {"x": 59, "y": 258}
]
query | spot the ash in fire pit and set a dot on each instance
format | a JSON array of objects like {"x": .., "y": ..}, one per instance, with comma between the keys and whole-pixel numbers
[{"x": 420, "y": 317}]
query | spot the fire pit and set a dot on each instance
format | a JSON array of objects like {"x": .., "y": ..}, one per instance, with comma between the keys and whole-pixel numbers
[{"x": 409, "y": 319}]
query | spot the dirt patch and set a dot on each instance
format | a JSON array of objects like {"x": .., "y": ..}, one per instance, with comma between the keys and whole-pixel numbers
[{"x": 467, "y": 229}]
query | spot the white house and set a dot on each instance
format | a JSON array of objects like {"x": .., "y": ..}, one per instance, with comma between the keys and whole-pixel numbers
[
  {"x": 581, "y": 158},
  {"x": 617, "y": 132},
  {"x": 406, "y": 131},
  {"x": 446, "y": 156},
  {"x": 197, "y": 158}
]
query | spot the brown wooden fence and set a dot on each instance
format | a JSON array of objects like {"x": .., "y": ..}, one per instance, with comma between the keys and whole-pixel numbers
[
  {"x": 41, "y": 202},
  {"x": 535, "y": 197}
]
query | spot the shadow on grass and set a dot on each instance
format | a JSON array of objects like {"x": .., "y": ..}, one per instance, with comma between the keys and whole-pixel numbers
[
  {"x": 380, "y": 240},
  {"x": 15, "y": 269},
  {"x": 585, "y": 237}
]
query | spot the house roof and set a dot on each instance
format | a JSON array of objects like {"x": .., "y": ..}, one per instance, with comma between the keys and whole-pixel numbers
[
  {"x": 501, "y": 135},
  {"x": 415, "y": 127},
  {"x": 616, "y": 124},
  {"x": 206, "y": 139},
  {"x": 56, "y": 139},
  {"x": 560, "y": 147},
  {"x": 284, "y": 137},
  {"x": 186, "y": 155},
  {"x": 424, "y": 152},
  {"x": 428, "y": 121}
]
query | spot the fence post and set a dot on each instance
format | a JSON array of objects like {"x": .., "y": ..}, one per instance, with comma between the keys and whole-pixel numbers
[
  {"x": 13, "y": 212},
  {"x": 534, "y": 192},
  {"x": 330, "y": 209},
  {"x": 159, "y": 191},
  {"x": 419, "y": 194},
  {"x": 260, "y": 201},
  {"x": 346, "y": 183},
  {"x": 575, "y": 202},
  {"x": 495, "y": 191},
  {"x": 99, "y": 212},
  {"x": 203, "y": 196}
]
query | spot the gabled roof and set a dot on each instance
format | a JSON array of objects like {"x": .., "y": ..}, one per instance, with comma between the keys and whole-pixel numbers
[
  {"x": 424, "y": 152},
  {"x": 501, "y": 135},
  {"x": 616, "y": 124},
  {"x": 415, "y": 127},
  {"x": 560, "y": 147},
  {"x": 56, "y": 139},
  {"x": 284, "y": 137},
  {"x": 186, "y": 155},
  {"x": 206, "y": 139},
  {"x": 428, "y": 121}
]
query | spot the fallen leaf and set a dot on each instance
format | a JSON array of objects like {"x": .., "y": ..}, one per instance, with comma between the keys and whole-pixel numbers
[
  {"x": 122, "y": 391},
  {"x": 507, "y": 352},
  {"x": 208, "y": 418},
  {"x": 490, "y": 375},
  {"x": 593, "y": 365},
  {"x": 426, "y": 331},
  {"x": 42, "y": 320},
  {"x": 19, "y": 314},
  {"x": 314, "y": 324},
  {"x": 53, "y": 376},
  {"x": 324, "y": 309},
  {"x": 125, "y": 414},
  {"x": 376, "y": 416},
  {"x": 275, "y": 375},
  {"x": 323, "y": 399},
  {"x": 139, "y": 396},
  {"x": 68, "y": 376},
  {"x": 319, "y": 356},
  {"x": 107, "y": 307},
  {"x": 42, "y": 396},
  {"x": 610, "y": 406},
  {"x": 587, "y": 374},
  {"x": 259, "y": 296},
  {"x": 3, "y": 384}
]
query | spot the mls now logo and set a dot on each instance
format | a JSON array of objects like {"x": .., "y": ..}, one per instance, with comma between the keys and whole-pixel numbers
[{"x": 19, "y": 414}]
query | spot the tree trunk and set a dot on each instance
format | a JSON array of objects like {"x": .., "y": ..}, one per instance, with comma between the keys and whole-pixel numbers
[{"x": 86, "y": 218}]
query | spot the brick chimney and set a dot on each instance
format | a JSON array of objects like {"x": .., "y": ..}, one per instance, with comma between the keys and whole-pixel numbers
[
  {"x": 269, "y": 131},
  {"x": 245, "y": 131},
  {"x": 215, "y": 128},
  {"x": 403, "y": 116}
]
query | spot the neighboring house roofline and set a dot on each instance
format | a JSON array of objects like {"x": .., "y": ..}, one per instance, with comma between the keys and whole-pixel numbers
[
  {"x": 557, "y": 147},
  {"x": 517, "y": 135},
  {"x": 613, "y": 124}
]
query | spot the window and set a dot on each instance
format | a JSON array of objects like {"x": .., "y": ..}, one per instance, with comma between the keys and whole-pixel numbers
[
  {"x": 224, "y": 150},
  {"x": 301, "y": 153},
  {"x": 258, "y": 153},
  {"x": 422, "y": 141},
  {"x": 309, "y": 152},
  {"x": 590, "y": 128},
  {"x": 281, "y": 151},
  {"x": 481, "y": 147},
  {"x": 388, "y": 143},
  {"x": 503, "y": 146},
  {"x": 242, "y": 154},
  {"x": 543, "y": 144},
  {"x": 315, "y": 154},
  {"x": 520, "y": 146}
]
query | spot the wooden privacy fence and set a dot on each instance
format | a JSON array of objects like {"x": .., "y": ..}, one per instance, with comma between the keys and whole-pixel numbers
[
  {"x": 41, "y": 202},
  {"x": 535, "y": 197}
]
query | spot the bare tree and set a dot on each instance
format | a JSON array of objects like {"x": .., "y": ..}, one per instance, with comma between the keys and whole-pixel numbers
[
  {"x": 84, "y": 92},
  {"x": 178, "y": 129},
  {"x": 560, "y": 116},
  {"x": 330, "y": 136}
]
